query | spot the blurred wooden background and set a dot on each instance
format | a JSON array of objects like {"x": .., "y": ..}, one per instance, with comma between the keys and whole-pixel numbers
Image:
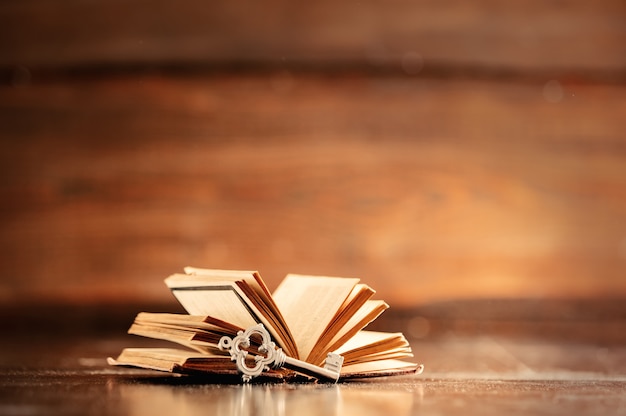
[{"x": 437, "y": 150}]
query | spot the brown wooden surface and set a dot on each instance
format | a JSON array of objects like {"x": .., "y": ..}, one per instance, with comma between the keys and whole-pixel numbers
[
  {"x": 482, "y": 376},
  {"x": 517, "y": 35},
  {"x": 426, "y": 189},
  {"x": 437, "y": 150}
]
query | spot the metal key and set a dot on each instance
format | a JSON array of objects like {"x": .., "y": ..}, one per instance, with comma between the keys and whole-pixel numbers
[{"x": 274, "y": 357}]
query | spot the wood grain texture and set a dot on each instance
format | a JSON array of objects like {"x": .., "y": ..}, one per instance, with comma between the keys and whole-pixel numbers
[
  {"x": 516, "y": 35},
  {"x": 480, "y": 375},
  {"x": 438, "y": 150},
  {"x": 427, "y": 189}
]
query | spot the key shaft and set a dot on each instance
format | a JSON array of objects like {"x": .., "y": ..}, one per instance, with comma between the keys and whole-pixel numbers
[{"x": 273, "y": 357}]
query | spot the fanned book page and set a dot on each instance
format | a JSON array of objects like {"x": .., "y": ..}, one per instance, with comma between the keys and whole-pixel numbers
[
  {"x": 311, "y": 327},
  {"x": 309, "y": 303},
  {"x": 222, "y": 300},
  {"x": 231, "y": 296}
]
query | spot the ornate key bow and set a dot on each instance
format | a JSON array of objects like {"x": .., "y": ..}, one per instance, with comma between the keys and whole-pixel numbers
[{"x": 272, "y": 357}]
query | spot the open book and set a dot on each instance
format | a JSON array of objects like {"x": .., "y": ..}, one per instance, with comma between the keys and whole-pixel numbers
[{"x": 306, "y": 316}]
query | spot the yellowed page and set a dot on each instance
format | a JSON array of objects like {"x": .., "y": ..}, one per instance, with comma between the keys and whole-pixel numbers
[
  {"x": 256, "y": 291},
  {"x": 309, "y": 303},
  {"x": 374, "y": 346},
  {"x": 252, "y": 278},
  {"x": 177, "y": 335},
  {"x": 222, "y": 300},
  {"x": 366, "y": 314},
  {"x": 226, "y": 300},
  {"x": 396, "y": 354},
  {"x": 207, "y": 323},
  {"x": 167, "y": 359},
  {"x": 360, "y": 294},
  {"x": 364, "y": 339},
  {"x": 380, "y": 368},
  {"x": 249, "y": 276}
]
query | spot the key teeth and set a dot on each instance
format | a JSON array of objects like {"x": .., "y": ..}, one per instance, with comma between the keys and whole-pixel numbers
[{"x": 333, "y": 362}]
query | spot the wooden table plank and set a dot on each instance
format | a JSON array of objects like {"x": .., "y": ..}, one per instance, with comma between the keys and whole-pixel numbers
[
  {"x": 475, "y": 376},
  {"x": 427, "y": 189},
  {"x": 412, "y": 35}
]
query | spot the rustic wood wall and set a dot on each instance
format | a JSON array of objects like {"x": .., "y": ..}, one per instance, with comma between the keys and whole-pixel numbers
[{"x": 438, "y": 150}]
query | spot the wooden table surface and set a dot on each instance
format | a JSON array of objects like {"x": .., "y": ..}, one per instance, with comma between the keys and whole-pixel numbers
[
  {"x": 437, "y": 151},
  {"x": 427, "y": 189},
  {"x": 481, "y": 374}
]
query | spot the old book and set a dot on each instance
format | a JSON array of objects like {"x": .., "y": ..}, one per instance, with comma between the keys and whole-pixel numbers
[{"x": 307, "y": 317}]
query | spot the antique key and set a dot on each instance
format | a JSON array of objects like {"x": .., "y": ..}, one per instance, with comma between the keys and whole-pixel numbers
[{"x": 274, "y": 357}]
